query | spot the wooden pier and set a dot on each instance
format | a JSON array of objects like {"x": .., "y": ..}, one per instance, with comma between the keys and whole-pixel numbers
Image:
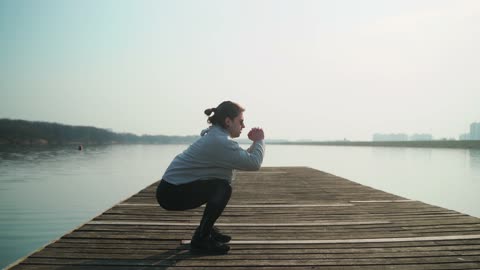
[{"x": 279, "y": 218}]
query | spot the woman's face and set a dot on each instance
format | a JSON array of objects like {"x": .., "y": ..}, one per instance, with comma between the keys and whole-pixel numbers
[{"x": 235, "y": 126}]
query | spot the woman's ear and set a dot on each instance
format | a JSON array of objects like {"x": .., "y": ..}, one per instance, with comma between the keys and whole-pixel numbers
[{"x": 228, "y": 122}]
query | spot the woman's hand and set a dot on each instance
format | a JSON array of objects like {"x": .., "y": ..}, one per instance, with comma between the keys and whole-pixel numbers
[{"x": 256, "y": 134}]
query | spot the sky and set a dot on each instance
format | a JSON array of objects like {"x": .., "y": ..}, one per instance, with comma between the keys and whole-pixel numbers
[{"x": 303, "y": 70}]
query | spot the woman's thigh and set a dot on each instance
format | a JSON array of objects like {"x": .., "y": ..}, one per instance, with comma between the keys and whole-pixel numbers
[{"x": 187, "y": 196}]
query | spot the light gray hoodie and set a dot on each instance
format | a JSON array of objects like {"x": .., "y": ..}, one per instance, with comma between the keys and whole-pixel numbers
[{"x": 213, "y": 156}]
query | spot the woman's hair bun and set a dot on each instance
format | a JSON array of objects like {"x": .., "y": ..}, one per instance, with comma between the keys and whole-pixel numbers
[{"x": 210, "y": 111}]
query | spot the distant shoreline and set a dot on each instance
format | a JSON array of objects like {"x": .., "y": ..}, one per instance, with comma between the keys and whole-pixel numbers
[
  {"x": 28, "y": 133},
  {"x": 471, "y": 144},
  {"x": 405, "y": 144}
]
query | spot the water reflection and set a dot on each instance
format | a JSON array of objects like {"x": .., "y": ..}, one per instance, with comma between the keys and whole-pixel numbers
[
  {"x": 474, "y": 158},
  {"x": 46, "y": 153},
  {"x": 389, "y": 152}
]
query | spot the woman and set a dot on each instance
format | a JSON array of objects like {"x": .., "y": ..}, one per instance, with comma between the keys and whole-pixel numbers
[{"x": 202, "y": 174}]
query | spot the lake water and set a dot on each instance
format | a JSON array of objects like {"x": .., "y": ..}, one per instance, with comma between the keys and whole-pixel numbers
[{"x": 46, "y": 192}]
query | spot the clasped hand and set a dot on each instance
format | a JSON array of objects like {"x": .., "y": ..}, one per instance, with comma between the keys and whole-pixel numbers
[{"x": 256, "y": 134}]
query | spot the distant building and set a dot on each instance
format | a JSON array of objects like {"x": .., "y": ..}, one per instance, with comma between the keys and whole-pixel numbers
[
  {"x": 379, "y": 137},
  {"x": 421, "y": 137},
  {"x": 464, "y": 137},
  {"x": 475, "y": 131}
]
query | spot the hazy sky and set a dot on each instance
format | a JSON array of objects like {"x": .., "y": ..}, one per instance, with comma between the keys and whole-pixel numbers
[{"x": 319, "y": 70}]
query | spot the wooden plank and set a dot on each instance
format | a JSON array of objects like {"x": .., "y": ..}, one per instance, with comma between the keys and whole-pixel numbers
[
  {"x": 374, "y": 240},
  {"x": 239, "y": 224},
  {"x": 381, "y": 201},
  {"x": 256, "y": 205},
  {"x": 266, "y": 249},
  {"x": 225, "y": 262},
  {"x": 186, "y": 255},
  {"x": 444, "y": 266}
]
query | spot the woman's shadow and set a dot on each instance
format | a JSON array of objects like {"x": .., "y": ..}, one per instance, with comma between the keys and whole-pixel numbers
[
  {"x": 160, "y": 261},
  {"x": 170, "y": 258}
]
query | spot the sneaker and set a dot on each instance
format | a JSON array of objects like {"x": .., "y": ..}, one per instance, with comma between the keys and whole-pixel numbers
[
  {"x": 207, "y": 245},
  {"x": 220, "y": 237}
]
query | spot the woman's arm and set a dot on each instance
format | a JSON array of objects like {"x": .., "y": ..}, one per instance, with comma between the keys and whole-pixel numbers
[
  {"x": 229, "y": 154},
  {"x": 238, "y": 158}
]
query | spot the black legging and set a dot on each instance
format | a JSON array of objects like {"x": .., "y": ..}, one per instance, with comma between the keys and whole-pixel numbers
[{"x": 215, "y": 193}]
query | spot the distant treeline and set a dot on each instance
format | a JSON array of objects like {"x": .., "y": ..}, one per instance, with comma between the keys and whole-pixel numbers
[{"x": 38, "y": 133}]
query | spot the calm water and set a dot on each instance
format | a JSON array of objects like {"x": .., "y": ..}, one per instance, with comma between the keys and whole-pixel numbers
[{"x": 46, "y": 192}]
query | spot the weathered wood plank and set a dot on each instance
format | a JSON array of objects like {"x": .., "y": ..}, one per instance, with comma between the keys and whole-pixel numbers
[
  {"x": 445, "y": 266},
  {"x": 225, "y": 262}
]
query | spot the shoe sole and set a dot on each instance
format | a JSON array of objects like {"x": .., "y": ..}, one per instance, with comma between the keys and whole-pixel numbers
[{"x": 221, "y": 241}]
